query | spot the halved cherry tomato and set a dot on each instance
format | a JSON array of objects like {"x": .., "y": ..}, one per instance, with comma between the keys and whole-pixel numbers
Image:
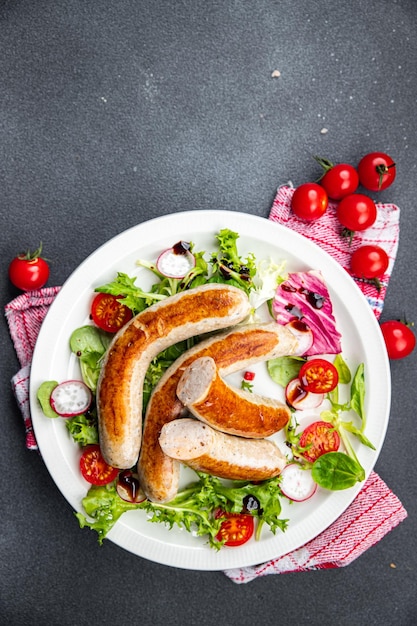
[
  {"x": 29, "y": 271},
  {"x": 399, "y": 339},
  {"x": 236, "y": 529},
  {"x": 356, "y": 212},
  {"x": 94, "y": 468},
  {"x": 320, "y": 437},
  {"x": 108, "y": 313},
  {"x": 309, "y": 201},
  {"x": 318, "y": 376},
  {"x": 369, "y": 262},
  {"x": 376, "y": 171}
]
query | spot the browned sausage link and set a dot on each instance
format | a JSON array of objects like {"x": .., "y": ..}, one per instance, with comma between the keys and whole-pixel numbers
[
  {"x": 231, "y": 351},
  {"x": 119, "y": 390},
  {"x": 226, "y": 456},
  {"x": 226, "y": 408}
]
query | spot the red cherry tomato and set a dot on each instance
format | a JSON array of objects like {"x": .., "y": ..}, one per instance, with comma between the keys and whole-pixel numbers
[
  {"x": 369, "y": 262},
  {"x": 94, "y": 468},
  {"x": 29, "y": 271},
  {"x": 338, "y": 180},
  {"x": 318, "y": 376},
  {"x": 376, "y": 171},
  {"x": 108, "y": 313},
  {"x": 309, "y": 201},
  {"x": 320, "y": 437},
  {"x": 236, "y": 529},
  {"x": 356, "y": 212},
  {"x": 399, "y": 339}
]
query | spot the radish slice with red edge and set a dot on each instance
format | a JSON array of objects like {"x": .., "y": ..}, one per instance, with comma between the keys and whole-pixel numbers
[
  {"x": 304, "y": 335},
  {"x": 71, "y": 397},
  {"x": 300, "y": 399},
  {"x": 297, "y": 483},
  {"x": 177, "y": 261},
  {"x": 128, "y": 487}
]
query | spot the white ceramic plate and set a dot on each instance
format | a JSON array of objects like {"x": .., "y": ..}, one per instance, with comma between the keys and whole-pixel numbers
[{"x": 52, "y": 360}]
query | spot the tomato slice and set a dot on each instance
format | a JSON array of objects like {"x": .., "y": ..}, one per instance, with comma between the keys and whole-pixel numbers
[
  {"x": 94, "y": 468},
  {"x": 318, "y": 376},
  {"x": 108, "y": 313},
  {"x": 320, "y": 437},
  {"x": 236, "y": 529}
]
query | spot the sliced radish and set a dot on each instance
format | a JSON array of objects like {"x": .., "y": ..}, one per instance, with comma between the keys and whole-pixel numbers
[
  {"x": 177, "y": 261},
  {"x": 297, "y": 483},
  {"x": 304, "y": 335},
  {"x": 72, "y": 397},
  {"x": 300, "y": 399},
  {"x": 128, "y": 487}
]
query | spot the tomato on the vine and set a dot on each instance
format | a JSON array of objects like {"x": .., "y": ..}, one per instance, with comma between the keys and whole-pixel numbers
[
  {"x": 399, "y": 339},
  {"x": 338, "y": 180},
  {"x": 29, "y": 271},
  {"x": 369, "y": 262},
  {"x": 108, "y": 313},
  {"x": 356, "y": 212},
  {"x": 236, "y": 529},
  {"x": 94, "y": 468},
  {"x": 318, "y": 376},
  {"x": 309, "y": 201},
  {"x": 376, "y": 171},
  {"x": 319, "y": 438}
]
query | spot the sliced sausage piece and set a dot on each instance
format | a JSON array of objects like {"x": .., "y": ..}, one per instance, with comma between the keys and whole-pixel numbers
[
  {"x": 235, "y": 350},
  {"x": 119, "y": 391},
  {"x": 224, "y": 407},
  {"x": 207, "y": 450}
]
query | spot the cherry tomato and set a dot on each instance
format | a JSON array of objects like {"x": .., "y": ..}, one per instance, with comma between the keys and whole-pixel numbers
[
  {"x": 309, "y": 201},
  {"x": 399, "y": 339},
  {"x": 321, "y": 437},
  {"x": 356, "y": 212},
  {"x": 339, "y": 180},
  {"x": 29, "y": 271},
  {"x": 94, "y": 468},
  {"x": 369, "y": 262},
  {"x": 318, "y": 376},
  {"x": 236, "y": 529},
  {"x": 376, "y": 171},
  {"x": 108, "y": 313}
]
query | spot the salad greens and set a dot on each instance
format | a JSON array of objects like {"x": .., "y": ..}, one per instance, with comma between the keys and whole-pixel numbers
[
  {"x": 43, "y": 395},
  {"x": 89, "y": 343},
  {"x": 196, "y": 507},
  {"x": 336, "y": 470},
  {"x": 83, "y": 428}
]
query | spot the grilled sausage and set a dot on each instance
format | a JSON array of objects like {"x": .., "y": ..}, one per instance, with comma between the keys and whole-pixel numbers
[
  {"x": 224, "y": 407},
  {"x": 207, "y": 450},
  {"x": 119, "y": 389},
  {"x": 232, "y": 351}
]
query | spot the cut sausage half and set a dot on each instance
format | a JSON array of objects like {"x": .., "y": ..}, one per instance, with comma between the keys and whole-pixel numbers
[{"x": 224, "y": 407}]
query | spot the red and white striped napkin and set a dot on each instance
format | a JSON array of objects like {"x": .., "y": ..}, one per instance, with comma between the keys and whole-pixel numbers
[{"x": 376, "y": 510}]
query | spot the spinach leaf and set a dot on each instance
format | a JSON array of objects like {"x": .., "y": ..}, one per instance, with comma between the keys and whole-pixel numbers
[
  {"x": 337, "y": 471},
  {"x": 44, "y": 394},
  {"x": 284, "y": 368}
]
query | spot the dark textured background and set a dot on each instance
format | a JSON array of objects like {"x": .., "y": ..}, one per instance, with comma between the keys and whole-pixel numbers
[{"x": 112, "y": 113}]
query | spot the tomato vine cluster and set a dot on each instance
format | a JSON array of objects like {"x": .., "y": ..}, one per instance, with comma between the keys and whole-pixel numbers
[{"x": 355, "y": 211}]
